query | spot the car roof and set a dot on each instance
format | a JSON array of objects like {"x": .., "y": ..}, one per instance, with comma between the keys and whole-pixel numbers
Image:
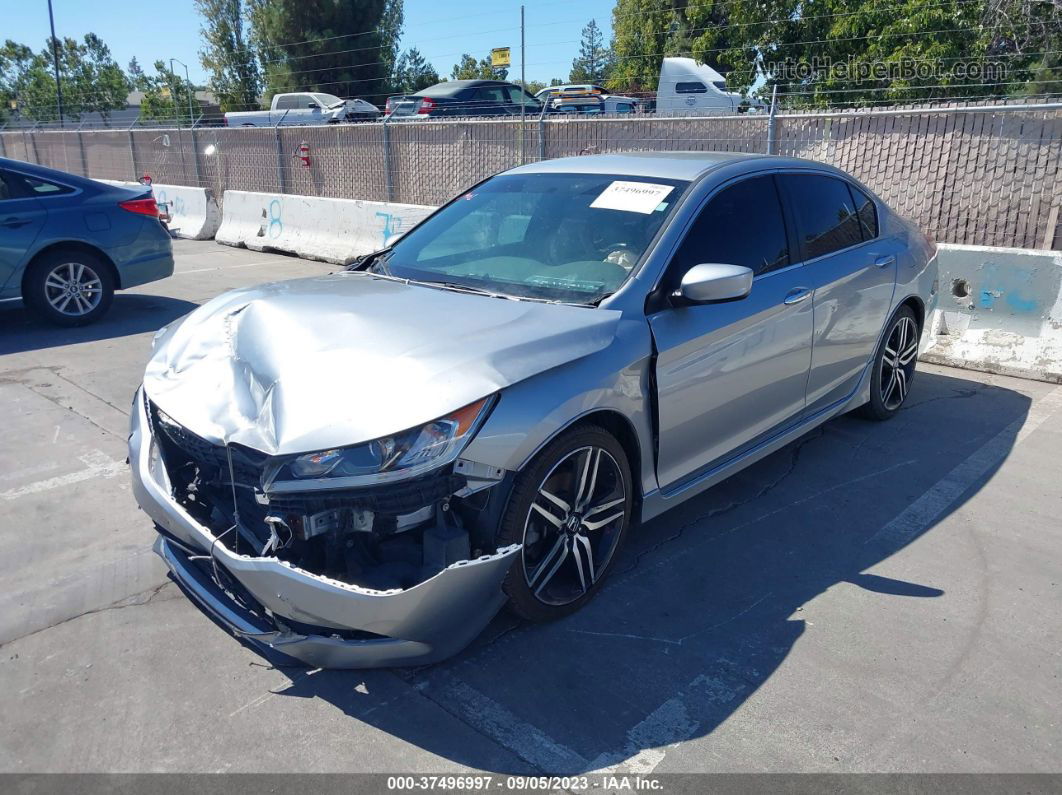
[
  {"x": 453, "y": 86},
  {"x": 664, "y": 165}
]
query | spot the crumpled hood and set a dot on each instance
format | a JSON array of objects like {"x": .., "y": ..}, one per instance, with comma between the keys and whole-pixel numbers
[{"x": 314, "y": 363}]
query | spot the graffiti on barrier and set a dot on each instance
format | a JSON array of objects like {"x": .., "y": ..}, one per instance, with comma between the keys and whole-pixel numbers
[{"x": 392, "y": 225}]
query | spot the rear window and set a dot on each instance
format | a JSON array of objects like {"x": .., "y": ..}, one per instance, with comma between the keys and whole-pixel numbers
[{"x": 441, "y": 90}]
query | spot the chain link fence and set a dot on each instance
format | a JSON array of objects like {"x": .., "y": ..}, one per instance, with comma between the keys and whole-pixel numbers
[{"x": 975, "y": 174}]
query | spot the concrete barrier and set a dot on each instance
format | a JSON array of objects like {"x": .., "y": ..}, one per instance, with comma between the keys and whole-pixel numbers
[
  {"x": 999, "y": 310},
  {"x": 330, "y": 230},
  {"x": 194, "y": 212}
]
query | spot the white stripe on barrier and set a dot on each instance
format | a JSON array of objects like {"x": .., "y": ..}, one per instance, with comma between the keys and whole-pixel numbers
[
  {"x": 999, "y": 310},
  {"x": 194, "y": 212},
  {"x": 331, "y": 230}
]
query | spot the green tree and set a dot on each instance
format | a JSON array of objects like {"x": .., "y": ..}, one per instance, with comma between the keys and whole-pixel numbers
[
  {"x": 846, "y": 52},
  {"x": 594, "y": 60},
  {"x": 468, "y": 68},
  {"x": 92, "y": 81},
  {"x": 643, "y": 32},
  {"x": 391, "y": 32},
  {"x": 15, "y": 61},
  {"x": 226, "y": 54},
  {"x": 166, "y": 96},
  {"x": 413, "y": 73},
  {"x": 340, "y": 48}
]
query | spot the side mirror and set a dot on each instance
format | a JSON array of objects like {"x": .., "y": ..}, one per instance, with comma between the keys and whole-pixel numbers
[
  {"x": 313, "y": 106},
  {"x": 710, "y": 282}
]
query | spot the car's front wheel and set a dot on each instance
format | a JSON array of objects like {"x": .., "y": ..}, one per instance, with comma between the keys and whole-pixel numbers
[
  {"x": 69, "y": 287},
  {"x": 571, "y": 509},
  {"x": 894, "y": 367}
]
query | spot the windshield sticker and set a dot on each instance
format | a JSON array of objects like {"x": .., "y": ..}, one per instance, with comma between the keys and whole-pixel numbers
[{"x": 632, "y": 197}]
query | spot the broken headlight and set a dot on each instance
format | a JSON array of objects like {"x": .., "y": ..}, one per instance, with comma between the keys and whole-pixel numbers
[{"x": 401, "y": 455}]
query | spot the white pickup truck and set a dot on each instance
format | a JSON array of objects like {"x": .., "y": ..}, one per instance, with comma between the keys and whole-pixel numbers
[{"x": 308, "y": 107}]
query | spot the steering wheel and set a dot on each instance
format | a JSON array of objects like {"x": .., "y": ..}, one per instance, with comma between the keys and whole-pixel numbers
[{"x": 619, "y": 253}]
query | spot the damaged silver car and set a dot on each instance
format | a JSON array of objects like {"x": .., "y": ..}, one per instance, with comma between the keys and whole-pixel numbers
[{"x": 360, "y": 469}]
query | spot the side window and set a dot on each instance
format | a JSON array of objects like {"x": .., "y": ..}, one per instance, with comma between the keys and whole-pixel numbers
[
  {"x": 41, "y": 188},
  {"x": 743, "y": 225},
  {"x": 868, "y": 214},
  {"x": 691, "y": 88},
  {"x": 9, "y": 189},
  {"x": 287, "y": 103},
  {"x": 490, "y": 94},
  {"x": 624, "y": 107},
  {"x": 520, "y": 97},
  {"x": 825, "y": 212},
  {"x": 720, "y": 84}
]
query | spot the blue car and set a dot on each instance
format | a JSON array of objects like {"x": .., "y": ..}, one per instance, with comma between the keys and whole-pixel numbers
[{"x": 67, "y": 242}]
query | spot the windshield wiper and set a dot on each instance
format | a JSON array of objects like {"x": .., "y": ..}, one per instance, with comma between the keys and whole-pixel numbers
[
  {"x": 465, "y": 288},
  {"x": 377, "y": 261}
]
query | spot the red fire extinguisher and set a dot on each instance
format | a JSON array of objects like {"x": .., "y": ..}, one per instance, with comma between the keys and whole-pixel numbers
[{"x": 303, "y": 153}]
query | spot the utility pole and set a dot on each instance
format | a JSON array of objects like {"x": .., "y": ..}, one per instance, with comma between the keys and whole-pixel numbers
[
  {"x": 55, "y": 61},
  {"x": 190, "y": 90}
]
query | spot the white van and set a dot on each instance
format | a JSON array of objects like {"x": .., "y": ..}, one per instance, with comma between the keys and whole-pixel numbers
[{"x": 689, "y": 87}]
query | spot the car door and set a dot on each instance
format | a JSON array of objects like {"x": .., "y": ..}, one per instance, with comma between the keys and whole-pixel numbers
[
  {"x": 729, "y": 375},
  {"x": 852, "y": 271},
  {"x": 22, "y": 217}
]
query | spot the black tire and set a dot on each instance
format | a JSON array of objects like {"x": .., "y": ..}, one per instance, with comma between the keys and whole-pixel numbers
[
  {"x": 893, "y": 370},
  {"x": 543, "y": 588},
  {"x": 88, "y": 292}
]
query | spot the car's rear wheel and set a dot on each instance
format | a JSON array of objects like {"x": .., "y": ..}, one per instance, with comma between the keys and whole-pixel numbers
[
  {"x": 894, "y": 367},
  {"x": 571, "y": 509},
  {"x": 69, "y": 287}
]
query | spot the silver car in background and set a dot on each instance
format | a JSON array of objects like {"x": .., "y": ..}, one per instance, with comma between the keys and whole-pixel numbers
[{"x": 360, "y": 469}]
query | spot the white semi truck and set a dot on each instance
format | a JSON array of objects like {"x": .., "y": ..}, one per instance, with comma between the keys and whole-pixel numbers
[{"x": 690, "y": 88}]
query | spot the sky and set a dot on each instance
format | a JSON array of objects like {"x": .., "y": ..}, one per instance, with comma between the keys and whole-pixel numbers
[{"x": 442, "y": 31}]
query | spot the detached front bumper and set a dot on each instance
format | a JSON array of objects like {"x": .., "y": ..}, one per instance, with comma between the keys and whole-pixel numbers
[{"x": 426, "y": 623}]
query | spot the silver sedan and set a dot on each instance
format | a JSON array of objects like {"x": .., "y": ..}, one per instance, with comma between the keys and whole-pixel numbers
[{"x": 360, "y": 469}]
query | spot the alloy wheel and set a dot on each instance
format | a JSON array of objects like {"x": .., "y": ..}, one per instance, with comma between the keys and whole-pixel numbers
[
  {"x": 573, "y": 526},
  {"x": 73, "y": 289},
  {"x": 898, "y": 362}
]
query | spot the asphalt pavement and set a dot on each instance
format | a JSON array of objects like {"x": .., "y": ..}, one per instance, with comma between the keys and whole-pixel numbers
[{"x": 874, "y": 597}]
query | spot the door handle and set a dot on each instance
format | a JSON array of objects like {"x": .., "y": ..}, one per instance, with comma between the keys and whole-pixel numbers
[
  {"x": 14, "y": 223},
  {"x": 796, "y": 295},
  {"x": 884, "y": 262}
]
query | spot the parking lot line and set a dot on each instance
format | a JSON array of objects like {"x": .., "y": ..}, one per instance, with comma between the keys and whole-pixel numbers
[
  {"x": 97, "y": 465},
  {"x": 923, "y": 511},
  {"x": 227, "y": 267}
]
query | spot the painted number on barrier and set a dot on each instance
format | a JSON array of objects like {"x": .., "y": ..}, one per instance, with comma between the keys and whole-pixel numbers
[{"x": 272, "y": 225}]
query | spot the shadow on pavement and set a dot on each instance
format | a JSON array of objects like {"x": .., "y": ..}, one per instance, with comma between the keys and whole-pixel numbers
[
  {"x": 21, "y": 330},
  {"x": 706, "y": 602}
]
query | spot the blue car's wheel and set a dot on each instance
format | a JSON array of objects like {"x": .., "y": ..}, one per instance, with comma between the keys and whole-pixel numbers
[{"x": 69, "y": 287}]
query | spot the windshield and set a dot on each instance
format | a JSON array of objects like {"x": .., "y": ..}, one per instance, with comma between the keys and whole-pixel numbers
[
  {"x": 562, "y": 237},
  {"x": 327, "y": 100}
]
